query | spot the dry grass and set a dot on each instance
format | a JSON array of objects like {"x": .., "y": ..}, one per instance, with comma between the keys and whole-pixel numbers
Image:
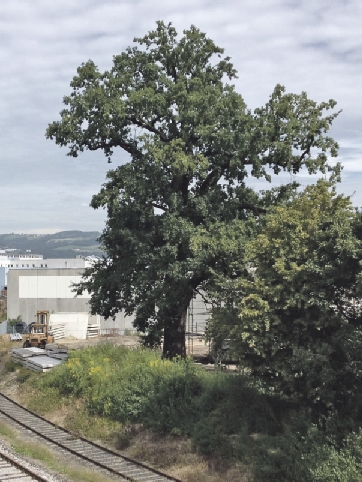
[
  {"x": 174, "y": 456},
  {"x": 6, "y": 345},
  {"x": 7, "y": 378},
  {"x": 201, "y": 473}
]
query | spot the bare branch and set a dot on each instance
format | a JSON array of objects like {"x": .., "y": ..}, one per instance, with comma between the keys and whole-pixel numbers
[{"x": 149, "y": 127}]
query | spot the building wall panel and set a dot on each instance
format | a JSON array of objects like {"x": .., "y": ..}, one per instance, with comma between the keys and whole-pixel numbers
[{"x": 49, "y": 287}]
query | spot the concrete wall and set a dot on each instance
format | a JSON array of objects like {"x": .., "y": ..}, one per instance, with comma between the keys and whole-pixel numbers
[
  {"x": 3, "y": 276},
  {"x": 3, "y": 328},
  {"x": 30, "y": 290},
  {"x": 121, "y": 323},
  {"x": 24, "y": 263},
  {"x": 197, "y": 315},
  {"x": 75, "y": 324}
]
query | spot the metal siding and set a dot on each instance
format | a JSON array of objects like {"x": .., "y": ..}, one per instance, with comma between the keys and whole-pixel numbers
[{"x": 49, "y": 287}]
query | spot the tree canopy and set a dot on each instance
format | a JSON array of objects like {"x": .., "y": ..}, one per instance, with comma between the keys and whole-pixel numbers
[
  {"x": 192, "y": 144},
  {"x": 296, "y": 321}
]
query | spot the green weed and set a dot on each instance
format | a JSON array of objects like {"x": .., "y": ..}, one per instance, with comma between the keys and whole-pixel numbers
[
  {"x": 225, "y": 416},
  {"x": 11, "y": 366},
  {"x": 23, "y": 374}
]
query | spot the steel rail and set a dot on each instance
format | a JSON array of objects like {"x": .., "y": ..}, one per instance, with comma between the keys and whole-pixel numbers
[
  {"x": 13, "y": 462},
  {"x": 75, "y": 445}
]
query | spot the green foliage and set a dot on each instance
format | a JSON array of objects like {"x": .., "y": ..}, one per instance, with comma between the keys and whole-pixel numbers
[
  {"x": 298, "y": 323},
  {"x": 304, "y": 454},
  {"x": 11, "y": 366},
  {"x": 23, "y": 375},
  {"x": 209, "y": 438},
  {"x": 223, "y": 414},
  {"x": 14, "y": 321},
  {"x": 342, "y": 465},
  {"x": 177, "y": 210},
  {"x": 137, "y": 386},
  {"x": 45, "y": 399},
  {"x": 92, "y": 426}
]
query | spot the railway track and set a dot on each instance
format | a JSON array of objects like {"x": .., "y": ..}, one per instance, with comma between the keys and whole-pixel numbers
[
  {"x": 12, "y": 469},
  {"x": 99, "y": 457}
]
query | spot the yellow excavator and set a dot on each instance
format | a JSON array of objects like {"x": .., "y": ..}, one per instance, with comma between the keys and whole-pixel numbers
[{"x": 39, "y": 334}]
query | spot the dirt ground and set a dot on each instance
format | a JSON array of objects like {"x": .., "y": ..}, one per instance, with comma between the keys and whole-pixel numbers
[{"x": 194, "y": 345}]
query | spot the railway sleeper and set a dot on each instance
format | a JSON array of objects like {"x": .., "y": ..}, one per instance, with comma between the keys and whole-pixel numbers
[{"x": 151, "y": 478}]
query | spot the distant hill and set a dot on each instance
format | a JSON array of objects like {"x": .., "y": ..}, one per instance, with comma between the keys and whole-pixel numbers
[{"x": 66, "y": 244}]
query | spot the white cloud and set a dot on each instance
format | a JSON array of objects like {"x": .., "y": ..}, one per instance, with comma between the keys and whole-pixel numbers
[{"x": 305, "y": 45}]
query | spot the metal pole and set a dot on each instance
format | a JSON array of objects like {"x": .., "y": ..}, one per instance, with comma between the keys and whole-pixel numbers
[{"x": 192, "y": 322}]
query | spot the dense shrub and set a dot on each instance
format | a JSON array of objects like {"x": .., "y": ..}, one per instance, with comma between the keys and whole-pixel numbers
[
  {"x": 138, "y": 386},
  {"x": 223, "y": 414}
]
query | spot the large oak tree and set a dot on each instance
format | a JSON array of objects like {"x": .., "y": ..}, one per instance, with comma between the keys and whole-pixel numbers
[{"x": 192, "y": 144}]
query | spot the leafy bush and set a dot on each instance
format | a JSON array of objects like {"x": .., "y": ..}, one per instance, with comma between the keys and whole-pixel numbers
[
  {"x": 293, "y": 320},
  {"x": 138, "y": 386},
  {"x": 223, "y": 414}
]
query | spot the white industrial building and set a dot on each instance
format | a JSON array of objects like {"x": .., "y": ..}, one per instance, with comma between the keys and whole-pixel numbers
[
  {"x": 9, "y": 260},
  {"x": 37, "y": 284},
  {"x": 31, "y": 290}
]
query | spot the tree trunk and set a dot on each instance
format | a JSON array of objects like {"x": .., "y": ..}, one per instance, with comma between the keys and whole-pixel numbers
[{"x": 174, "y": 337}]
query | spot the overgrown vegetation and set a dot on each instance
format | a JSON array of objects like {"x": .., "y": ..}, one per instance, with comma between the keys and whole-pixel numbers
[
  {"x": 295, "y": 318},
  {"x": 11, "y": 366},
  {"x": 48, "y": 458},
  {"x": 283, "y": 267},
  {"x": 223, "y": 415}
]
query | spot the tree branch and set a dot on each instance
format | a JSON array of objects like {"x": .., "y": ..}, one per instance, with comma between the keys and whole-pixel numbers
[
  {"x": 148, "y": 127},
  {"x": 251, "y": 207},
  {"x": 127, "y": 146}
]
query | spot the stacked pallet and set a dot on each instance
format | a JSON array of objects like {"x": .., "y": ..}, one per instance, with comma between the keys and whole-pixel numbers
[
  {"x": 20, "y": 355},
  {"x": 58, "y": 330},
  {"x": 92, "y": 331}
]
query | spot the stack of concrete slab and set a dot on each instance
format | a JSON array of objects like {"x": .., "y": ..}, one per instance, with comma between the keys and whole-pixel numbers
[
  {"x": 21, "y": 354},
  {"x": 40, "y": 360},
  {"x": 41, "y": 363},
  {"x": 75, "y": 324},
  {"x": 55, "y": 351}
]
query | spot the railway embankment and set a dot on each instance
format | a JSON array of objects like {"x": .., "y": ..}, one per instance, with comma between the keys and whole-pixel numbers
[
  {"x": 169, "y": 452},
  {"x": 186, "y": 422}
]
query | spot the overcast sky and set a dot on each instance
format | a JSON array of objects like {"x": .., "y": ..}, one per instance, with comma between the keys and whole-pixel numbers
[{"x": 309, "y": 45}]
